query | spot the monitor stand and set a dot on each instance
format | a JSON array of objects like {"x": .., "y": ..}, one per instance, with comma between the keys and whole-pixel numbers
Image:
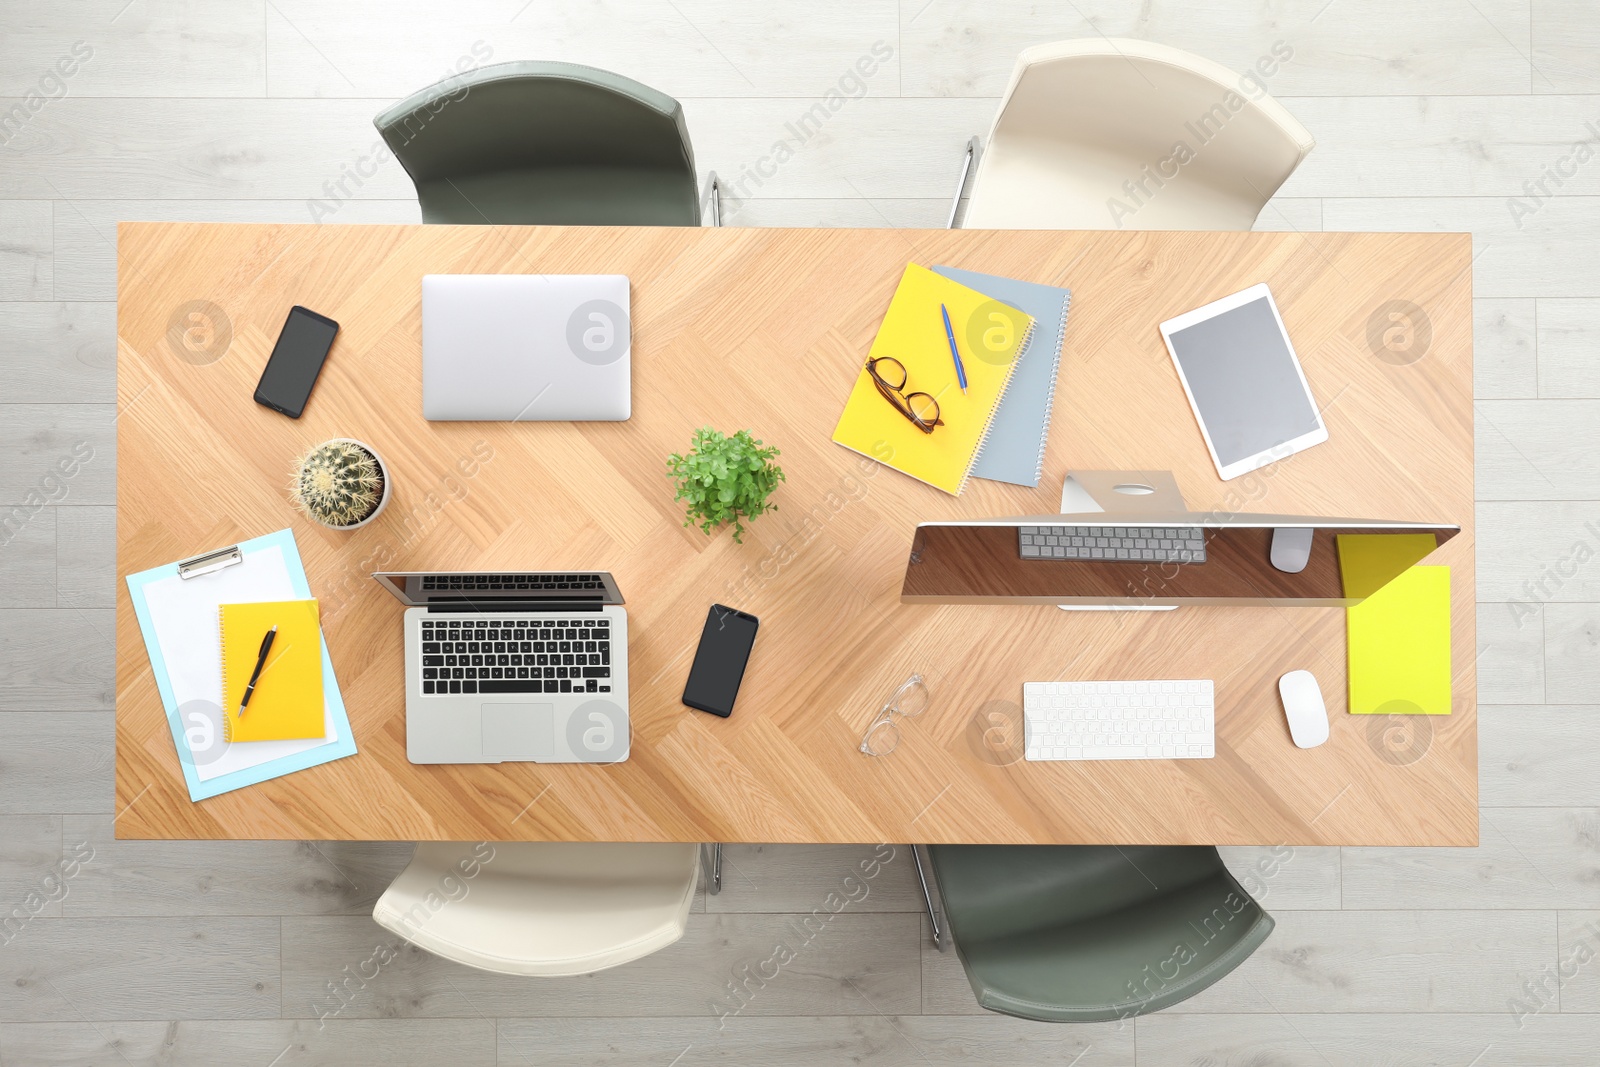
[{"x": 1118, "y": 494}]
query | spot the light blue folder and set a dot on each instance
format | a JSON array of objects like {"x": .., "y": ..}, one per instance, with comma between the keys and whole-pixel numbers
[
  {"x": 1014, "y": 451},
  {"x": 343, "y": 743}
]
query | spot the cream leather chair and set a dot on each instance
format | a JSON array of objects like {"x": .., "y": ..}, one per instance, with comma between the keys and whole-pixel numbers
[
  {"x": 1097, "y": 134},
  {"x": 550, "y": 909}
]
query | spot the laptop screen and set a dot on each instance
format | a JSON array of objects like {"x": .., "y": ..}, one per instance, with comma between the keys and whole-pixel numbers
[{"x": 420, "y": 589}]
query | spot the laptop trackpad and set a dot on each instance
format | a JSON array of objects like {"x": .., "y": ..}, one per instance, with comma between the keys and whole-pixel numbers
[{"x": 519, "y": 731}]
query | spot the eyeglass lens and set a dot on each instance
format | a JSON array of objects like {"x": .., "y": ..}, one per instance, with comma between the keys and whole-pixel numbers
[
  {"x": 908, "y": 701},
  {"x": 882, "y": 738},
  {"x": 911, "y": 699}
]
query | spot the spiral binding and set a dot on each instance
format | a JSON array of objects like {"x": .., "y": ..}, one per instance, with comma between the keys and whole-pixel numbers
[
  {"x": 988, "y": 424},
  {"x": 227, "y": 720},
  {"x": 1055, "y": 374}
]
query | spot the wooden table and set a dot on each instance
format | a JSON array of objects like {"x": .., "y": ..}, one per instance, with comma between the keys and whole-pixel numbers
[{"x": 764, "y": 328}]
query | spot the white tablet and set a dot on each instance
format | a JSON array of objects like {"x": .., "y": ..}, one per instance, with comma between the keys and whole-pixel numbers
[{"x": 1244, "y": 382}]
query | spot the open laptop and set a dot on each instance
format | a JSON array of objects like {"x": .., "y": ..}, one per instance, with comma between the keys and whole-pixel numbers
[
  {"x": 526, "y": 347},
  {"x": 502, "y": 667}
]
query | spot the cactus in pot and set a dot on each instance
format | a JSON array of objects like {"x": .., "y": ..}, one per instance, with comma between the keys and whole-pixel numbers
[{"x": 341, "y": 484}]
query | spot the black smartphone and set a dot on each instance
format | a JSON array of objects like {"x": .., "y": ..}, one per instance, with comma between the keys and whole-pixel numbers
[
  {"x": 718, "y": 668},
  {"x": 296, "y": 361}
]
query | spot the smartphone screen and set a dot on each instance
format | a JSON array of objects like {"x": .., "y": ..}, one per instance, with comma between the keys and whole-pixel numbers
[
  {"x": 296, "y": 361},
  {"x": 718, "y": 668}
]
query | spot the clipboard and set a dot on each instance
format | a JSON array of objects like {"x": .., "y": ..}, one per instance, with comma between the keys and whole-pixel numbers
[{"x": 177, "y": 607}]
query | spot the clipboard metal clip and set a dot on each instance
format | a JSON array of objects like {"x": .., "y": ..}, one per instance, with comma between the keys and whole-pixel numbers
[{"x": 210, "y": 562}]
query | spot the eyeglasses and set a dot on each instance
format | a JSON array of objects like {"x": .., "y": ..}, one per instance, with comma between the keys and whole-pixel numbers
[
  {"x": 909, "y": 701},
  {"x": 889, "y": 375}
]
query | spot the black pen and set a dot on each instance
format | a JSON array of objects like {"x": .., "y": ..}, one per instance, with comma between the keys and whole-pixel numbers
[{"x": 261, "y": 661}]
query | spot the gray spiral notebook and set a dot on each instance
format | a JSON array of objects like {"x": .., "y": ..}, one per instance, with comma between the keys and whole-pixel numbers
[{"x": 1014, "y": 451}]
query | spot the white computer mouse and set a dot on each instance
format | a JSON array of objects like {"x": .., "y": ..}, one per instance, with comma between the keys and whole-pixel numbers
[
  {"x": 1302, "y": 704},
  {"x": 1291, "y": 548}
]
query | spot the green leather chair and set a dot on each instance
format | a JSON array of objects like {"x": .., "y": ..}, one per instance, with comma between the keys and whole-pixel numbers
[
  {"x": 529, "y": 143},
  {"x": 1080, "y": 933}
]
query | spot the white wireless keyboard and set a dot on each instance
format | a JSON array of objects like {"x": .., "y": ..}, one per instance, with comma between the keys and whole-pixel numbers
[{"x": 1119, "y": 720}]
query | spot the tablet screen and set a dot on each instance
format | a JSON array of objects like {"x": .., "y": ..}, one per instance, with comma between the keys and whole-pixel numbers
[{"x": 1244, "y": 381}]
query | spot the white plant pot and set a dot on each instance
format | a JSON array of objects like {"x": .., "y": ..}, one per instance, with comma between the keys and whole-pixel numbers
[{"x": 388, "y": 486}]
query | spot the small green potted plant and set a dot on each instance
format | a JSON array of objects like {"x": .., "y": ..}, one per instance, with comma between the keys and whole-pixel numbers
[
  {"x": 725, "y": 479},
  {"x": 341, "y": 484}
]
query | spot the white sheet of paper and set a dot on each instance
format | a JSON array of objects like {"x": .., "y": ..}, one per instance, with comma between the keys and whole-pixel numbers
[{"x": 184, "y": 613}]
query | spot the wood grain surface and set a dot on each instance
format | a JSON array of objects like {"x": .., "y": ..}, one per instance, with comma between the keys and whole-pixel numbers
[{"x": 765, "y": 328}]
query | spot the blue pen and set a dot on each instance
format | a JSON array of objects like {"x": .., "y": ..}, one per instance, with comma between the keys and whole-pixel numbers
[{"x": 950, "y": 335}]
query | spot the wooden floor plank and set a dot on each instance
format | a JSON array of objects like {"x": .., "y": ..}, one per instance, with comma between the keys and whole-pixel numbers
[
  {"x": 884, "y": 1041},
  {"x": 1534, "y": 251},
  {"x": 1395, "y": 1040},
  {"x": 26, "y": 260},
  {"x": 1338, "y": 50},
  {"x": 1510, "y": 653},
  {"x": 1573, "y": 974},
  {"x": 30, "y": 874},
  {"x": 1568, "y": 336},
  {"x": 1538, "y": 553},
  {"x": 28, "y": 557},
  {"x": 1513, "y": 138},
  {"x": 1543, "y": 857},
  {"x": 35, "y": 676},
  {"x": 58, "y": 352},
  {"x": 56, "y": 761},
  {"x": 854, "y": 965},
  {"x": 1504, "y": 360},
  {"x": 724, "y": 50},
  {"x": 1536, "y": 756},
  {"x": 86, "y": 556},
  {"x": 58, "y": 454},
  {"x": 1385, "y": 961},
  {"x": 1565, "y": 40},
  {"x": 209, "y": 878},
  {"x": 797, "y": 878},
  {"x": 74, "y": 970},
  {"x": 99, "y": 48},
  {"x": 204, "y": 1043},
  {"x": 1282, "y": 876},
  {"x": 1536, "y": 450},
  {"x": 1571, "y": 652}
]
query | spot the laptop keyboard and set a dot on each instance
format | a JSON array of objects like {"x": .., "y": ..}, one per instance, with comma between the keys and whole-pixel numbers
[
  {"x": 492, "y": 582},
  {"x": 525, "y": 655}
]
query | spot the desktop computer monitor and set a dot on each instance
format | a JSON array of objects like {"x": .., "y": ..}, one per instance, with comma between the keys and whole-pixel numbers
[{"x": 1146, "y": 552}]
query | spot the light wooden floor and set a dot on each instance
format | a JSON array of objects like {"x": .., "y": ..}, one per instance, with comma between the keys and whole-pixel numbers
[{"x": 1429, "y": 116}]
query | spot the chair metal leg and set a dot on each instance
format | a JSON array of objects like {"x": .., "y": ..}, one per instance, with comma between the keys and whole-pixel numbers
[
  {"x": 961, "y": 186},
  {"x": 927, "y": 896},
  {"x": 711, "y": 863},
  {"x": 714, "y": 199}
]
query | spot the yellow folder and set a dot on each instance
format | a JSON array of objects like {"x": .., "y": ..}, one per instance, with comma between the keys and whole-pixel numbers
[
  {"x": 991, "y": 337},
  {"x": 1399, "y": 641},
  {"x": 287, "y": 702}
]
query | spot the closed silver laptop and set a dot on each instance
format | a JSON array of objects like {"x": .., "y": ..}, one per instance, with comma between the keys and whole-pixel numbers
[
  {"x": 529, "y": 666},
  {"x": 526, "y": 347}
]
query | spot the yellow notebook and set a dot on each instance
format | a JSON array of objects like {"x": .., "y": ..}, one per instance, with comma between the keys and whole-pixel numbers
[
  {"x": 287, "y": 702},
  {"x": 1368, "y": 562},
  {"x": 991, "y": 337},
  {"x": 1399, "y": 639}
]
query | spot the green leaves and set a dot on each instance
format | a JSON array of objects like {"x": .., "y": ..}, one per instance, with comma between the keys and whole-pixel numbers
[{"x": 723, "y": 478}]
